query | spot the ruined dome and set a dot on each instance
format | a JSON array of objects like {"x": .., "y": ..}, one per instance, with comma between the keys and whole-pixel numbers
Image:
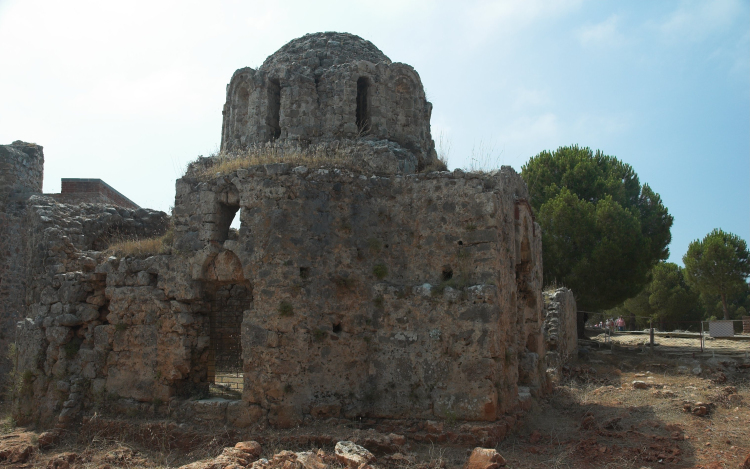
[
  {"x": 336, "y": 90},
  {"x": 320, "y": 51}
]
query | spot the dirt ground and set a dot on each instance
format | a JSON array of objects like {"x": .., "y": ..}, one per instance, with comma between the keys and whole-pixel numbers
[
  {"x": 683, "y": 411},
  {"x": 680, "y": 343}
]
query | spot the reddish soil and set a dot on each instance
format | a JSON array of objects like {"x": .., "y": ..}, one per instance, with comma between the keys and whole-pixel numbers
[{"x": 685, "y": 413}]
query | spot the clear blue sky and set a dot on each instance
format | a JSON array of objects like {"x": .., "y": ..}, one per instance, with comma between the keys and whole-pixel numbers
[{"x": 131, "y": 91}]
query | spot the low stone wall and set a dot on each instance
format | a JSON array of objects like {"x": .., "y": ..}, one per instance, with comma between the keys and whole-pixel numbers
[{"x": 560, "y": 326}]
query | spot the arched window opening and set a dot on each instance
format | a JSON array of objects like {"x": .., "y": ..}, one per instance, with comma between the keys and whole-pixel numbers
[
  {"x": 274, "y": 109},
  {"x": 241, "y": 112},
  {"x": 228, "y": 222},
  {"x": 363, "y": 104}
]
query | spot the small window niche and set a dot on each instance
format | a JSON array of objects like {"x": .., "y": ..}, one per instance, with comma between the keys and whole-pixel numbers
[
  {"x": 363, "y": 104},
  {"x": 274, "y": 109}
]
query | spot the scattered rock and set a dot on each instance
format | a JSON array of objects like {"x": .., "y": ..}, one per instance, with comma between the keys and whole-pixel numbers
[
  {"x": 310, "y": 460},
  {"x": 352, "y": 455},
  {"x": 252, "y": 448},
  {"x": 640, "y": 385},
  {"x": 16, "y": 447},
  {"x": 62, "y": 461},
  {"x": 484, "y": 458},
  {"x": 535, "y": 437},
  {"x": 49, "y": 438},
  {"x": 700, "y": 409}
]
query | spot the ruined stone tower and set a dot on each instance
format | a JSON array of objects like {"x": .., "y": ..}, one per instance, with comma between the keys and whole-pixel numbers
[{"x": 328, "y": 87}]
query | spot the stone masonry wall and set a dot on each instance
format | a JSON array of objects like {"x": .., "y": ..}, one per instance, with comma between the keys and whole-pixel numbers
[
  {"x": 402, "y": 297},
  {"x": 21, "y": 170},
  {"x": 560, "y": 327},
  {"x": 410, "y": 297},
  {"x": 67, "y": 301}
]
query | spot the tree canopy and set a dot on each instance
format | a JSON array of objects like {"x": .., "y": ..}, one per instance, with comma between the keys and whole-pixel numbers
[
  {"x": 718, "y": 265},
  {"x": 667, "y": 300},
  {"x": 602, "y": 231}
]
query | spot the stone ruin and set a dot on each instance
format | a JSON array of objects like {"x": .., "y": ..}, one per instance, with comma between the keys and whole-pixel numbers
[
  {"x": 333, "y": 89},
  {"x": 345, "y": 294}
]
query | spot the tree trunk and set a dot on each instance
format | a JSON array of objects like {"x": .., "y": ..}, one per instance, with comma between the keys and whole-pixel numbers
[{"x": 724, "y": 304}]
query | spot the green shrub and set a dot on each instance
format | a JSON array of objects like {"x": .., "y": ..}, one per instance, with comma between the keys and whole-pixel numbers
[
  {"x": 380, "y": 271},
  {"x": 319, "y": 335},
  {"x": 286, "y": 309}
]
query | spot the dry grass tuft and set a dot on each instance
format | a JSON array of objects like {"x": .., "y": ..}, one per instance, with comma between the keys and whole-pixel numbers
[
  {"x": 144, "y": 247},
  {"x": 336, "y": 154}
]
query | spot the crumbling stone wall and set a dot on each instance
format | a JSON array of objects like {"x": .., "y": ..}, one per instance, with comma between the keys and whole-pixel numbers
[
  {"x": 21, "y": 170},
  {"x": 413, "y": 297},
  {"x": 330, "y": 86},
  {"x": 560, "y": 325},
  {"x": 68, "y": 302},
  {"x": 401, "y": 297}
]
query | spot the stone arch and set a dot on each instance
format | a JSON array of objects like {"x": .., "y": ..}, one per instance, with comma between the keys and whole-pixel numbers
[
  {"x": 227, "y": 295},
  {"x": 227, "y": 208}
]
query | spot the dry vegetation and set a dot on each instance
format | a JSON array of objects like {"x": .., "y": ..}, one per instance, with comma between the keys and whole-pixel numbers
[
  {"x": 337, "y": 154},
  {"x": 142, "y": 247},
  {"x": 312, "y": 156},
  {"x": 594, "y": 419}
]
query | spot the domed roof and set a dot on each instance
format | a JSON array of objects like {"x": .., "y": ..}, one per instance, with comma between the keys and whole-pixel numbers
[{"x": 320, "y": 51}]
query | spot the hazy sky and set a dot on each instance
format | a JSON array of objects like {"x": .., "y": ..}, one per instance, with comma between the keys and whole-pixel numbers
[{"x": 129, "y": 92}]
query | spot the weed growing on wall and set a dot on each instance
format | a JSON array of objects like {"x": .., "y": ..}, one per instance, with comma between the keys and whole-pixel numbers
[
  {"x": 380, "y": 271},
  {"x": 285, "y": 309}
]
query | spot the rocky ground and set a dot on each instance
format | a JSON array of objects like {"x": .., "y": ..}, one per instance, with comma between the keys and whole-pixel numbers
[{"x": 610, "y": 409}]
